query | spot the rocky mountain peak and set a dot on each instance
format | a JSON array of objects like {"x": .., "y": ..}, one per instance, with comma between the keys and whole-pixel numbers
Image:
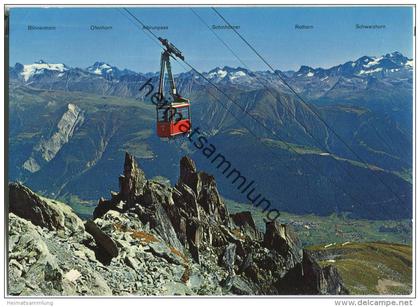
[
  {"x": 395, "y": 54},
  {"x": 99, "y": 64},
  {"x": 153, "y": 239},
  {"x": 186, "y": 169}
]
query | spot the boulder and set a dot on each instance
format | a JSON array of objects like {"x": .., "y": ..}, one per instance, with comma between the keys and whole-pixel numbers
[
  {"x": 162, "y": 250},
  {"x": 102, "y": 239}
]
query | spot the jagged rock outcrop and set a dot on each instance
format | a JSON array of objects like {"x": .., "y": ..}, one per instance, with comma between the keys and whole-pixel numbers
[
  {"x": 309, "y": 278},
  {"x": 280, "y": 238},
  {"x": 153, "y": 239},
  {"x": 133, "y": 180},
  {"x": 204, "y": 187}
]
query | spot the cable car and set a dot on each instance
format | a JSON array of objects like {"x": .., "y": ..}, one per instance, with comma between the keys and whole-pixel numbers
[{"x": 173, "y": 118}]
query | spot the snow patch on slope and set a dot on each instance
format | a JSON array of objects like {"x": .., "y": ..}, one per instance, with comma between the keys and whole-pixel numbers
[
  {"x": 38, "y": 68},
  {"x": 237, "y": 74},
  {"x": 371, "y": 71},
  {"x": 220, "y": 73},
  {"x": 374, "y": 62},
  {"x": 101, "y": 69}
]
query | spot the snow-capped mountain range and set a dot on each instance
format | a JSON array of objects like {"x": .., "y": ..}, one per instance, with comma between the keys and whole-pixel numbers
[
  {"x": 100, "y": 68},
  {"x": 314, "y": 82},
  {"x": 364, "y": 66}
]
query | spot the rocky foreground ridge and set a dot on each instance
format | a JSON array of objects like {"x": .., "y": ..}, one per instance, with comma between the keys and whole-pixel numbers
[{"x": 153, "y": 239}]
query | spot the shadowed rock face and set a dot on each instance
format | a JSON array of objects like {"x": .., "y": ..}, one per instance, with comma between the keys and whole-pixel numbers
[
  {"x": 309, "y": 278},
  {"x": 187, "y": 172},
  {"x": 282, "y": 239},
  {"x": 42, "y": 211},
  {"x": 246, "y": 223},
  {"x": 152, "y": 239}
]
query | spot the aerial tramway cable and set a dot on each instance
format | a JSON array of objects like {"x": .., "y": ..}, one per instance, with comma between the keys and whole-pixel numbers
[
  {"x": 144, "y": 28},
  {"x": 278, "y": 73},
  {"x": 270, "y": 91}
]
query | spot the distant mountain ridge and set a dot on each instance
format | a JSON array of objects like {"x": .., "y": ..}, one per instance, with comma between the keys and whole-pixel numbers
[
  {"x": 364, "y": 67},
  {"x": 107, "y": 71}
]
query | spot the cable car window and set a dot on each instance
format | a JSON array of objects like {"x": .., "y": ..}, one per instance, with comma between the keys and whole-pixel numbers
[
  {"x": 184, "y": 113},
  {"x": 162, "y": 115}
]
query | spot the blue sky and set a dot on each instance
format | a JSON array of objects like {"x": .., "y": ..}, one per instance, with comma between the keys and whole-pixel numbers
[{"x": 334, "y": 38}]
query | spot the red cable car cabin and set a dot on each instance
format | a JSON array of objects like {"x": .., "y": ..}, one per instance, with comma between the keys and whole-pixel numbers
[{"x": 173, "y": 119}]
